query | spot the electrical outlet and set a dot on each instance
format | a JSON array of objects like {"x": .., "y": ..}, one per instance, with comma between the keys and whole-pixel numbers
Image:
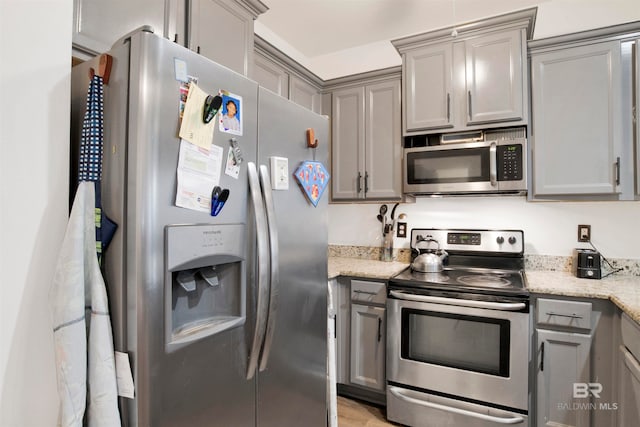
[
  {"x": 584, "y": 233},
  {"x": 402, "y": 229}
]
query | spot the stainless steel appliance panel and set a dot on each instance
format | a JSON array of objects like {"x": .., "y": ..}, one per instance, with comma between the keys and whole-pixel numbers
[
  {"x": 451, "y": 376},
  {"x": 482, "y": 167},
  {"x": 292, "y": 383},
  {"x": 204, "y": 382},
  {"x": 211, "y": 371},
  {"x": 417, "y": 409}
]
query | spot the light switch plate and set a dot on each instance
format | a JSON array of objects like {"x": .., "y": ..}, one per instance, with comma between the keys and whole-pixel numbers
[{"x": 279, "y": 173}]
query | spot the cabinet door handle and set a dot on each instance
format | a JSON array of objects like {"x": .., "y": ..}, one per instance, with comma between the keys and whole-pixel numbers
[
  {"x": 366, "y": 182},
  {"x": 469, "y": 102},
  {"x": 379, "y": 329},
  {"x": 542, "y": 357},
  {"x": 617, "y": 169},
  {"x": 358, "y": 183},
  {"x": 358, "y": 291},
  {"x": 448, "y": 107},
  {"x": 573, "y": 315}
]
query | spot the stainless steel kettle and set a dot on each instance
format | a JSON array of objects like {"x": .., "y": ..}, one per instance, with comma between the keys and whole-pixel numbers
[{"x": 430, "y": 261}]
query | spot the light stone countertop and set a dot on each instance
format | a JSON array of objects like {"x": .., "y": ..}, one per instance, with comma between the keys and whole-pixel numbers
[
  {"x": 372, "y": 269},
  {"x": 622, "y": 290}
]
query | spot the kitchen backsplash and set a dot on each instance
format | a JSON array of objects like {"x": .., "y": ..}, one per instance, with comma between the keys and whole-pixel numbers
[{"x": 532, "y": 262}]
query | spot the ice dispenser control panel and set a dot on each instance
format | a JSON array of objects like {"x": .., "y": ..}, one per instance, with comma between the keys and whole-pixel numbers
[{"x": 205, "y": 281}]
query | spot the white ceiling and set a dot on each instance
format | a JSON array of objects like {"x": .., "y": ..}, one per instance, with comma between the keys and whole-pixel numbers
[
  {"x": 321, "y": 27},
  {"x": 334, "y": 38}
]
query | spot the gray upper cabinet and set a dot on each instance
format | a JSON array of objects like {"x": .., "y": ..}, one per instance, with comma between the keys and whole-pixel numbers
[
  {"x": 577, "y": 120},
  {"x": 97, "y": 24},
  {"x": 279, "y": 73},
  {"x": 582, "y": 136},
  {"x": 305, "y": 94},
  {"x": 366, "y": 140},
  {"x": 222, "y": 30},
  {"x": 347, "y": 143},
  {"x": 474, "y": 79},
  {"x": 494, "y": 77},
  {"x": 270, "y": 75},
  {"x": 428, "y": 87}
]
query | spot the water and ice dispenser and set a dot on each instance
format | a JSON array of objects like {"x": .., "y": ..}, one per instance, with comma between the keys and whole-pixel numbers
[{"x": 205, "y": 281}]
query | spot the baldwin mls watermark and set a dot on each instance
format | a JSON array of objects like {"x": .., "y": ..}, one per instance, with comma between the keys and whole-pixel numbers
[{"x": 585, "y": 391}]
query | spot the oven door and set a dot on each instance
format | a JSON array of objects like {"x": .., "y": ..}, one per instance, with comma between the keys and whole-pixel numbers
[{"x": 472, "y": 349}]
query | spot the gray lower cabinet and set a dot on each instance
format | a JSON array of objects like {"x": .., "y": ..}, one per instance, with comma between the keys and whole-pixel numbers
[
  {"x": 574, "y": 362},
  {"x": 366, "y": 148},
  {"x": 628, "y": 404},
  {"x": 564, "y": 361},
  {"x": 368, "y": 335},
  {"x": 360, "y": 307},
  {"x": 368, "y": 328}
]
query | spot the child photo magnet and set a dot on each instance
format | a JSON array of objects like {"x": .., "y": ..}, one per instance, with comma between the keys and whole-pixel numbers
[{"x": 231, "y": 113}]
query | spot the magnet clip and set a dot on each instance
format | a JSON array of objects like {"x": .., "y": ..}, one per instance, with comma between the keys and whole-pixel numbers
[{"x": 218, "y": 199}]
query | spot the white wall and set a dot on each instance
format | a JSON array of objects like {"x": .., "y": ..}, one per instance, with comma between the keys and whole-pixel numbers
[
  {"x": 35, "y": 63},
  {"x": 550, "y": 228}
]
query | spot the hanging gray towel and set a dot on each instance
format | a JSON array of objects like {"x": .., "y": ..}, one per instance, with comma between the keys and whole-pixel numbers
[{"x": 81, "y": 322}]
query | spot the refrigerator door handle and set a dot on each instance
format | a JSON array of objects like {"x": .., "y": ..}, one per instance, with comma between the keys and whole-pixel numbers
[
  {"x": 275, "y": 266},
  {"x": 263, "y": 269}
]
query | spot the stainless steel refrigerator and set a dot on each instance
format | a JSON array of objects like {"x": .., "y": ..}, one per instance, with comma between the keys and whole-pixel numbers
[{"x": 223, "y": 317}]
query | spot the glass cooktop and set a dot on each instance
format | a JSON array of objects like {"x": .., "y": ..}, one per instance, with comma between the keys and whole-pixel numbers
[{"x": 461, "y": 279}]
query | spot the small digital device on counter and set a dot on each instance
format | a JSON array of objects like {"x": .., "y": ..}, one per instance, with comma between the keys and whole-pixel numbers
[{"x": 586, "y": 264}]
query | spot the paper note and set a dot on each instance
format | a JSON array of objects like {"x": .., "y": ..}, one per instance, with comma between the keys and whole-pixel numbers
[
  {"x": 193, "y": 128},
  {"x": 124, "y": 378},
  {"x": 180, "y": 68},
  {"x": 198, "y": 172},
  {"x": 233, "y": 167}
]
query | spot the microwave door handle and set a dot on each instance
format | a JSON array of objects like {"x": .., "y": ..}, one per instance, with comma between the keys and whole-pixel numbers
[
  {"x": 504, "y": 306},
  {"x": 493, "y": 164},
  {"x": 460, "y": 411}
]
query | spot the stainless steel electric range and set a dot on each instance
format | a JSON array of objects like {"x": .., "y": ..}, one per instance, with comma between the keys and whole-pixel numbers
[{"x": 458, "y": 339}]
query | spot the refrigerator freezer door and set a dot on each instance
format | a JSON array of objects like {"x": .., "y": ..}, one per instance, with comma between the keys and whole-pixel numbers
[
  {"x": 203, "y": 382},
  {"x": 292, "y": 389}
]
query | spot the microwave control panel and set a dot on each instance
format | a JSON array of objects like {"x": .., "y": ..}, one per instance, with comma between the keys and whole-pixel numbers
[{"x": 510, "y": 161}]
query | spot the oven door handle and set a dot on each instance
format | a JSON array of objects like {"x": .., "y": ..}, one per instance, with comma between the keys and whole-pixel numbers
[
  {"x": 400, "y": 395},
  {"x": 504, "y": 306}
]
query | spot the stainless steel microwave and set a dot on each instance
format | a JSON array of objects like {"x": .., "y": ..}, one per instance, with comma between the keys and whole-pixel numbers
[{"x": 482, "y": 167}]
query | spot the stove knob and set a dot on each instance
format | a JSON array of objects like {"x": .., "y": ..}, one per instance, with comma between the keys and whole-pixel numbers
[
  {"x": 500, "y": 240},
  {"x": 512, "y": 240}
]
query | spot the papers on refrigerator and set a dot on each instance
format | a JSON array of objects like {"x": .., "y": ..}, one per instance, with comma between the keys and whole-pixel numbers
[
  {"x": 198, "y": 172},
  {"x": 192, "y": 128}
]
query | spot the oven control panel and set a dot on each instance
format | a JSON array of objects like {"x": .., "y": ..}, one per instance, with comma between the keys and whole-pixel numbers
[{"x": 495, "y": 241}]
